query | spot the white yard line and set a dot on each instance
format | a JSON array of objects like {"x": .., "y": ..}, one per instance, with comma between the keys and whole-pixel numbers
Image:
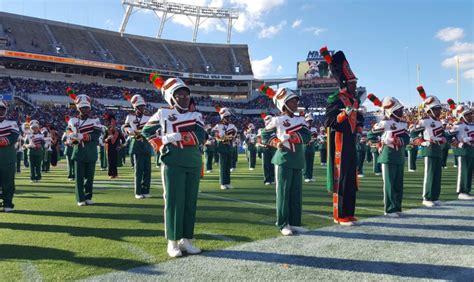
[{"x": 29, "y": 271}]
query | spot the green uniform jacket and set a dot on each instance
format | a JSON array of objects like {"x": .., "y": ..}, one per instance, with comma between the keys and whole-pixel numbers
[
  {"x": 390, "y": 155},
  {"x": 86, "y": 151}
]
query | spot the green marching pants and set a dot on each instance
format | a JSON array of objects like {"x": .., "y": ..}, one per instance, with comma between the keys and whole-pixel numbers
[
  {"x": 465, "y": 170},
  {"x": 181, "y": 185},
  {"x": 25, "y": 158},
  {"x": 103, "y": 157},
  {"x": 444, "y": 155},
  {"x": 288, "y": 196},
  {"x": 376, "y": 165},
  {"x": 323, "y": 154},
  {"x": 234, "y": 157},
  {"x": 369, "y": 156},
  {"x": 432, "y": 179},
  {"x": 35, "y": 167},
  {"x": 142, "y": 173},
  {"x": 252, "y": 157},
  {"x": 46, "y": 161},
  {"x": 70, "y": 166},
  {"x": 268, "y": 167},
  {"x": 209, "y": 155},
  {"x": 216, "y": 157},
  {"x": 157, "y": 159},
  {"x": 224, "y": 166},
  {"x": 392, "y": 187},
  {"x": 455, "y": 162},
  {"x": 19, "y": 156},
  {"x": 360, "y": 162},
  {"x": 412, "y": 155},
  {"x": 84, "y": 172},
  {"x": 309, "y": 164},
  {"x": 7, "y": 182}
]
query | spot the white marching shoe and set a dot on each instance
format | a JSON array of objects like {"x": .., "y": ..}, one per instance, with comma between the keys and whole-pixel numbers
[
  {"x": 286, "y": 230},
  {"x": 360, "y": 175},
  {"x": 8, "y": 209},
  {"x": 223, "y": 187},
  {"x": 147, "y": 195},
  {"x": 465, "y": 196},
  {"x": 139, "y": 197},
  {"x": 173, "y": 249},
  {"x": 428, "y": 203},
  {"x": 81, "y": 204},
  {"x": 185, "y": 245},
  {"x": 229, "y": 186},
  {"x": 392, "y": 214},
  {"x": 268, "y": 183},
  {"x": 208, "y": 171},
  {"x": 89, "y": 202},
  {"x": 307, "y": 180}
]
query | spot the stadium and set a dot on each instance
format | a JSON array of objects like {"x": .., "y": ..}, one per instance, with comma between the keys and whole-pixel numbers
[{"x": 49, "y": 237}]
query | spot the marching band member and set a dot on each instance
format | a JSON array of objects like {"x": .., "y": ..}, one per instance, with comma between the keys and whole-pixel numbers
[
  {"x": 250, "y": 142},
  {"x": 25, "y": 131},
  {"x": 344, "y": 121},
  {"x": 178, "y": 133},
  {"x": 373, "y": 146},
  {"x": 412, "y": 151},
  {"x": 48, "y": 151},
  {"x": 322, "y": 145},
  {"x": 361, "y": 147},
  {"x": 8, "y": 139},
  {"x": 309, "y": 149},
  {"x": 225, "y": 133},
  {"x": 432, "y": 138},
  {"x": 112, "y": 139},
  {"x": 68, "y": 148},
  {"x": 268, "y": 151},
  {"x": 35, "y": 144},
  {"x": 209, "y": 149},
  {"x": 140, "y": 149},
  {"x": 85, "y": 131},
  {"x": 19, "y": 154},
  {"x": 235, "y": 152},
  {"x": 102, "y": 152},
  {"x": 292, "y": 133},
  {"x": 463, "y": 148},
  {"x": 392, "y": 133}
]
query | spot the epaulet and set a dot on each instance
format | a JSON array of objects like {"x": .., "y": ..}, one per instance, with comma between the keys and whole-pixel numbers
[{"x": 333, "y": 97}]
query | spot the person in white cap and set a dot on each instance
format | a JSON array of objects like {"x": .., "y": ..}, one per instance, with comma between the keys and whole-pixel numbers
[
  {"x": 430, "y": 135},
  {"x": 25, "y": 131},
  {"x": 225, "y": 133},
  {"x": 463, "y": 147},
  {"x": 10, "y": 133},
  {"x": 139, "y": 149},
  {"x": 250, "y": 143},
  {"x": 292, "y": 134},
  {"x": 393, "y": 135},
  {"x": 268, "y": 151},
  {"x": 178, "y": 134},
  {"x": 35, "y": 144},
  {"x": 46, "y": 165},
  {"x": 85, "y": 131},
  {"x": 310, "y": 149}
]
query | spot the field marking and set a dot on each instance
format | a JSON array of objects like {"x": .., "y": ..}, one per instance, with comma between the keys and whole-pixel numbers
[
  {"x": 139, "y": 252},
  {"x": 30, "y": 272},
  {"x": 261, "y": 205}
]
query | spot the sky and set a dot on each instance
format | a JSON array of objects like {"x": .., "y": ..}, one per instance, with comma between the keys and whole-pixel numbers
[{"x": 384, "y": 40}]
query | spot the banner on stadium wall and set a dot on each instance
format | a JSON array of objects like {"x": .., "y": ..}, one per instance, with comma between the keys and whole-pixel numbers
[
  {"x": 62, "y": 60},
  {"x": 95, "y": 64},
  {"x": 314, "y": 72}
]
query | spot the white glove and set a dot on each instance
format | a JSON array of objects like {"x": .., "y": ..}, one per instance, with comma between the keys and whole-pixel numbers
[
  {"x": 388, "y": 141},
  {"x": 425, "y": 144},
  {"x": 285, "y": 137},
  {"x": 171, "y": 137},
  {"x": 460, "y": 145}
]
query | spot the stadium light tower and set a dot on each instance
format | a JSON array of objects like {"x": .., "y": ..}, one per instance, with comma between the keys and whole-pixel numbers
[{"x": 165, "y": 10}]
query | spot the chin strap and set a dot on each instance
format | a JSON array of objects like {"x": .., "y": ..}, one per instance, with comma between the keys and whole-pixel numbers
[{"x": 177, "y": 105}]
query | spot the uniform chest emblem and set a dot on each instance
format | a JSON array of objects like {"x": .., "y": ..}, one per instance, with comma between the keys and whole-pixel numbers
[
  {"x": 466, "y": 129},
  {"x": 286, "y": 123},
  {"x": 393, "y": 126},
  {"x": 172, "y": 117}
]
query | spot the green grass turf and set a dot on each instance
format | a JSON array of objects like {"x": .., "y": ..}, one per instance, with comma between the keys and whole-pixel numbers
[{"x": 49, "y": 236}]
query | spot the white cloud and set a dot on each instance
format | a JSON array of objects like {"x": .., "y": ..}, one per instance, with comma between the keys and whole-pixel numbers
[
  {"x": 279, "y": 68},
  {"x": 262, "y": 67},
  {"x": 450, "y": 34},
  {"x": 469, "y": 75},
  {"x": 451, "y": 81},
  {"x": 296, "y": 23},
  {"x": 271, "y": 31},
  {"x": 461, "y": 47},
  {"x": 315, "y": 30},
  {"x": 466, "y": 60}
]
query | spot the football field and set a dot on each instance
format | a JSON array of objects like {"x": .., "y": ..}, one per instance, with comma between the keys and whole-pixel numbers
[{"x": 49, "y": 237}]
